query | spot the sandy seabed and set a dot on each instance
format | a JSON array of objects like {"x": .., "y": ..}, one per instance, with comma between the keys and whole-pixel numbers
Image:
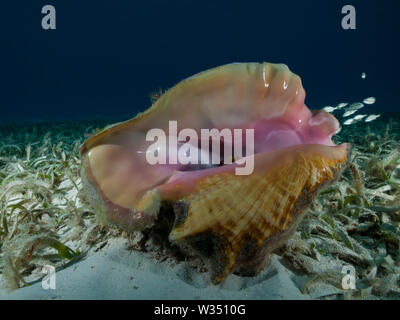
[{"x": 44, "y": 222}]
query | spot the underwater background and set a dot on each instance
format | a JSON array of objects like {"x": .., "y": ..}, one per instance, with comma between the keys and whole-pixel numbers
[
  {"x": 105, "y": 57},
  {"x": 104, "y": 60}
]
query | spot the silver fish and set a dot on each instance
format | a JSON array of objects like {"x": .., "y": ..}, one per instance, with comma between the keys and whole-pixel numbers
[
  {"x": 359, "y": 117},
  {"x": 349, "y": 113},
  {"x": 370, "y": 100},
  {"x": 341, "y": 105},
  {"x": 329, "y": 109},
  {"x": 354, "y": 107},
  {"x": 372, "y": 117},
  {"x": 356, "y": 119}
]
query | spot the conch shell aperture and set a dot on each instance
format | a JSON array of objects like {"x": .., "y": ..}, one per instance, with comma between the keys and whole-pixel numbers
[{"x": 232, "y": 221}]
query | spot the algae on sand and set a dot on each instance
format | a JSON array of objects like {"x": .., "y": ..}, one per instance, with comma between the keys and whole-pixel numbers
[{"x": 42, "y": 220}]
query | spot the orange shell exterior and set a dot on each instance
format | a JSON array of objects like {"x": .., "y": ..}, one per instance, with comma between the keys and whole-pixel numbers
[{"x": 262, "y": 209}]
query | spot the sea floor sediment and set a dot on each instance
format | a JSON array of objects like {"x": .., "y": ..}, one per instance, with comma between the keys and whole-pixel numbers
[{"x": 352, "y": 225}]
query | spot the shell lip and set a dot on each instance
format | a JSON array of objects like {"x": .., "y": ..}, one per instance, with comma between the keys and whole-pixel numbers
[{"x": 180, "y": 182}]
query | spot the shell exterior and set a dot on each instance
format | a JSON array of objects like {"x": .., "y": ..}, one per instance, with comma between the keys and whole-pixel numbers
[
  {"x": 232, "y": 221},
  {"x": 247, "y": 217}
]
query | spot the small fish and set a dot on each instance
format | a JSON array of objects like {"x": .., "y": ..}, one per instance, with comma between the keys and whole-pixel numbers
[
  {"x": 354, "y": 107},
  {"x": 341, "y": 105},
  {"x": 372, "y": 117},
  {"x": 329, "y": 109},
  {"x": 370, "y": 100},
  {"x": 349, "y": 113},
  {"x": 356, "y": 119},
  {"x": 359, "y": 117},
  {"x": 363, "y": 75}
]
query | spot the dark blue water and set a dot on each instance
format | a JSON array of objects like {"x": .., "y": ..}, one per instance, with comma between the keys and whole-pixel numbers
[{"x": 105, "y": 57}]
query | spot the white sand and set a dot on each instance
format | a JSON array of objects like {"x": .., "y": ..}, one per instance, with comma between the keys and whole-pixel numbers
[{"x": 118, "y": 273}]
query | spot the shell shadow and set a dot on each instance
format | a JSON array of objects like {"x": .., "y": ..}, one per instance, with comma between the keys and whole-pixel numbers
[{"x": 233, "y": 282}]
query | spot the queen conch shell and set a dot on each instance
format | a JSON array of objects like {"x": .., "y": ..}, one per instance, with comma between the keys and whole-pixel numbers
[{"x": 232, "y": 221}]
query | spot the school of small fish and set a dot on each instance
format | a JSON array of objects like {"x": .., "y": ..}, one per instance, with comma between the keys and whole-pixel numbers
[{"x": 352, "y": 109}]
